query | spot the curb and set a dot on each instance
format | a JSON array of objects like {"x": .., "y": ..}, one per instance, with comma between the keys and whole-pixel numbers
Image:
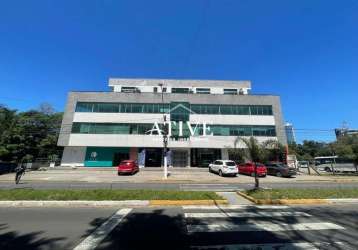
[
  {"x": 285, "y": 201},
  {"x": 133, "y": 203},
  {"x": 126, "y": 203},
  {"x": 186, "y": 202}
]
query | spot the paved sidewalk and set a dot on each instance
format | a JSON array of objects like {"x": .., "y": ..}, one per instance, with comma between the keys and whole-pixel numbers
[
  {"x": 234, "y": 199},
  {"x": 189, "y": 176}
]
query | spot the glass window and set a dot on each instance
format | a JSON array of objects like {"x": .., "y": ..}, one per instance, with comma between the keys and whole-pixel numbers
[
  {"x": 212, "y": 109},
  {"x": 106, "y": 107},
  {"x": 230, "y": 91},
  {"x": 129, "y": 89},
  {"x": 226, "y": 109},
  {"x": 202, "y": 90},
  {"x": 180, "y": 90},
  {"x": 84, "y": 107},
  {"x": 155, "y": 89},
  {"x": 137, "y": 108}
]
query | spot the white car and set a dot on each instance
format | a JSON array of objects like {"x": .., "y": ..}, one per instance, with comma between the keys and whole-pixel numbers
[{"x": 224, "y": 167}]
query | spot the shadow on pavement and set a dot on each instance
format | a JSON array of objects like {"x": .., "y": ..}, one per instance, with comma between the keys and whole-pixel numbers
[
  {"x": 11, "y": 240},
  {"x": 148, "y": 229}
]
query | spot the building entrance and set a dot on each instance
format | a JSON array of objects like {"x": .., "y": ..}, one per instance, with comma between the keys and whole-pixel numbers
[
  {"x": 153, "y": 157},
  {"x": 118, "y": 157},
  {"x": 202, "y": 157},
  {"x": 180, "y": 158}
]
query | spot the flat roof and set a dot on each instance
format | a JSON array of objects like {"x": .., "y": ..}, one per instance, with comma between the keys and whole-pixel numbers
[{"x": 179, "y": 83}]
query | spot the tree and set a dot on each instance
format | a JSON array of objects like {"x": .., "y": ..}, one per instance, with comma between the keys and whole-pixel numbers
[
  {"x": 29, "y": 135},
  {"x": 256, "y": 152}
]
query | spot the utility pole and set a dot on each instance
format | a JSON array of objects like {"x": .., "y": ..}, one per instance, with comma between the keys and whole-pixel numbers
[{"x": 165, "y": 136}]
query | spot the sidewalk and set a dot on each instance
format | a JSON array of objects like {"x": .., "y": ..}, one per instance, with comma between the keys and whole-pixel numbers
[{"x": 189, "y": 176}]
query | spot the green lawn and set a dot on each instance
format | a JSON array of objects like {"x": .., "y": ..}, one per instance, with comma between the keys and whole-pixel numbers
[
  {"x": 101, "y": 194},
  {"x": 293, "y": 193}
]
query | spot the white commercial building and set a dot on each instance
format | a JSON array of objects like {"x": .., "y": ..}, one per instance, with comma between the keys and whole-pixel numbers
[{"x": 204, "y": 119}]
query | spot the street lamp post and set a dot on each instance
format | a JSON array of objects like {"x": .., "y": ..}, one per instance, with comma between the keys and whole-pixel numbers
[{"x": 165, "y": 136}]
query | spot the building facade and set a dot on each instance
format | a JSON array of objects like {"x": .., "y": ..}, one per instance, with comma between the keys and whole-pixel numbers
[
  {"x": 290, "y": 133},
  {"x": 202, "y": 118},
  {"x": 342, "y": 132}
]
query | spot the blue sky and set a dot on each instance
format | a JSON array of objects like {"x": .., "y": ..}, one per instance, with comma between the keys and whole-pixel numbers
[{"x": 305, "y": 51}]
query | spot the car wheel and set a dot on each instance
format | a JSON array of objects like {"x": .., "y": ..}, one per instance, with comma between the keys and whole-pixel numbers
[
  {"x": 327, "y": 169},
  {"x": 210, "y": 170},
  {"x": 220, "y": 173},
  {"x": 278, "y": 174},
  {"x": 119, "y": 173}
]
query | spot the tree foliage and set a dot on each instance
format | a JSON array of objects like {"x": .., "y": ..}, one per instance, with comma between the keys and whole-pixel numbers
[
  {"x": 29, "y": 135},
  {"x": 345, "y": 147}
]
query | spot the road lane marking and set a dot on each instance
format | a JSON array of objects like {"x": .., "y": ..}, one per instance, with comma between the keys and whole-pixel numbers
[
  {"x": 254, "y": 227},
  {"x": 278, "y": 246},
  {"x": 245, "y": 214},
  {"x": 92, "y": 241},
  {"x": 230, "y": 207}
]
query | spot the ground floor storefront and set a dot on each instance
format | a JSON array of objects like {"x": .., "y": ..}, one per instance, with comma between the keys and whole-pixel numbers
[{"x": 146, "y": 157}]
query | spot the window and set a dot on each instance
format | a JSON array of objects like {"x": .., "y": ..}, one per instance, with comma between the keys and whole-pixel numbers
[
  {"x": 160, "y": 108},
  {"x": 180, "y": 90},
  {"x": 261, "y": 110},
  {"x": 230, "y": 91},
  {"x": 84, "y": 107},
  {"x": 106, "y": 107},
  {"x": 164, "y": 90},
  {"x": 155, "y": 89},
  {"x": 202, "y": 90},
  {"x": 129, "y": 89}
]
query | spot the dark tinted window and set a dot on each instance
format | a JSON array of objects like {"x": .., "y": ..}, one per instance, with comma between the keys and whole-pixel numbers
[{"x": 230, "y": 163}]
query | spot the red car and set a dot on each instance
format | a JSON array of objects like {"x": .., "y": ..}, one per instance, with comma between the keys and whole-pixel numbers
[
  {"x": 249, "y": 168},
  {"x": 128, "y": 167}
]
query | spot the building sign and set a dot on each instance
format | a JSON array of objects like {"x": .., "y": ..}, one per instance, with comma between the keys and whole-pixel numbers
[{"x": 180, "y": 127}]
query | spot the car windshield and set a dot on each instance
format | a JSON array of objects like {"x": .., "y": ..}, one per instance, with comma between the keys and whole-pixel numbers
[{"x": 230, "y": 163}]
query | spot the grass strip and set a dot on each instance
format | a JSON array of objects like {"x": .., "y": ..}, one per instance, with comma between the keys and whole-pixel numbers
[
  {"x": 103, "y": 194},
  {"x": 298, "y": 193}
]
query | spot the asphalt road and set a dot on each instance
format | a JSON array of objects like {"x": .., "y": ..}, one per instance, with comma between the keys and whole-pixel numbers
[
  {"x": 240, "y": 227},
  {"x": 171, "y": 186}
]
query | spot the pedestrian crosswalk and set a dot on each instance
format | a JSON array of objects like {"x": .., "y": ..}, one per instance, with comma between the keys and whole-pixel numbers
[{"x": 249, "y": 227}]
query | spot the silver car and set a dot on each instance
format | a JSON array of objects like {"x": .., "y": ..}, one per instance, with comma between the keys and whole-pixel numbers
[{"x": 224, "y": 167}]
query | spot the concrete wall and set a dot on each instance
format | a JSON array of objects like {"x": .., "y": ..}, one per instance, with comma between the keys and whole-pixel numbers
[
  {"x": 73, "y": 156},
  {"x": 155, "y": 141}
]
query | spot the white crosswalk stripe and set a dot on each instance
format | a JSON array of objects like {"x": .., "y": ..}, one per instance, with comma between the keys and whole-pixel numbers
[
  {"x": 276, "y": 246},
  {"x": 245, "y": 214},
  {"x": 268, "y": 226},
  {"x": 214, "y": 219},
  {"x": 232, "y": 207}
]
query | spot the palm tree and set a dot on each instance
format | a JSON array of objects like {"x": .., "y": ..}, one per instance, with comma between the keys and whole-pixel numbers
[{"x": 256, "y": 152}]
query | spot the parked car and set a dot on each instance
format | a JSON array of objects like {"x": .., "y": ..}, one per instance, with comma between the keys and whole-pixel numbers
[
  {"x": 6, "y": 167},
  {"x": 249, "y": 168},
  {"x": 128, "y": 167},
  {"x": 280, "y": 170},
  {"x": 224, "y": 167}
]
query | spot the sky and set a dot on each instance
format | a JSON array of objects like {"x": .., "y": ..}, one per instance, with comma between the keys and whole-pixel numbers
[{"x": 302, "y": 50}]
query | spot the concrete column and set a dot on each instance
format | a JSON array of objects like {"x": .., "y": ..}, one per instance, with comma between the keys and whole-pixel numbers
[
  {"x": 224, "y": 154},
  {"x": 189, "y": 159},
  {"x": 73, "y": 156},
  {"x": 133, "y": 154}
]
